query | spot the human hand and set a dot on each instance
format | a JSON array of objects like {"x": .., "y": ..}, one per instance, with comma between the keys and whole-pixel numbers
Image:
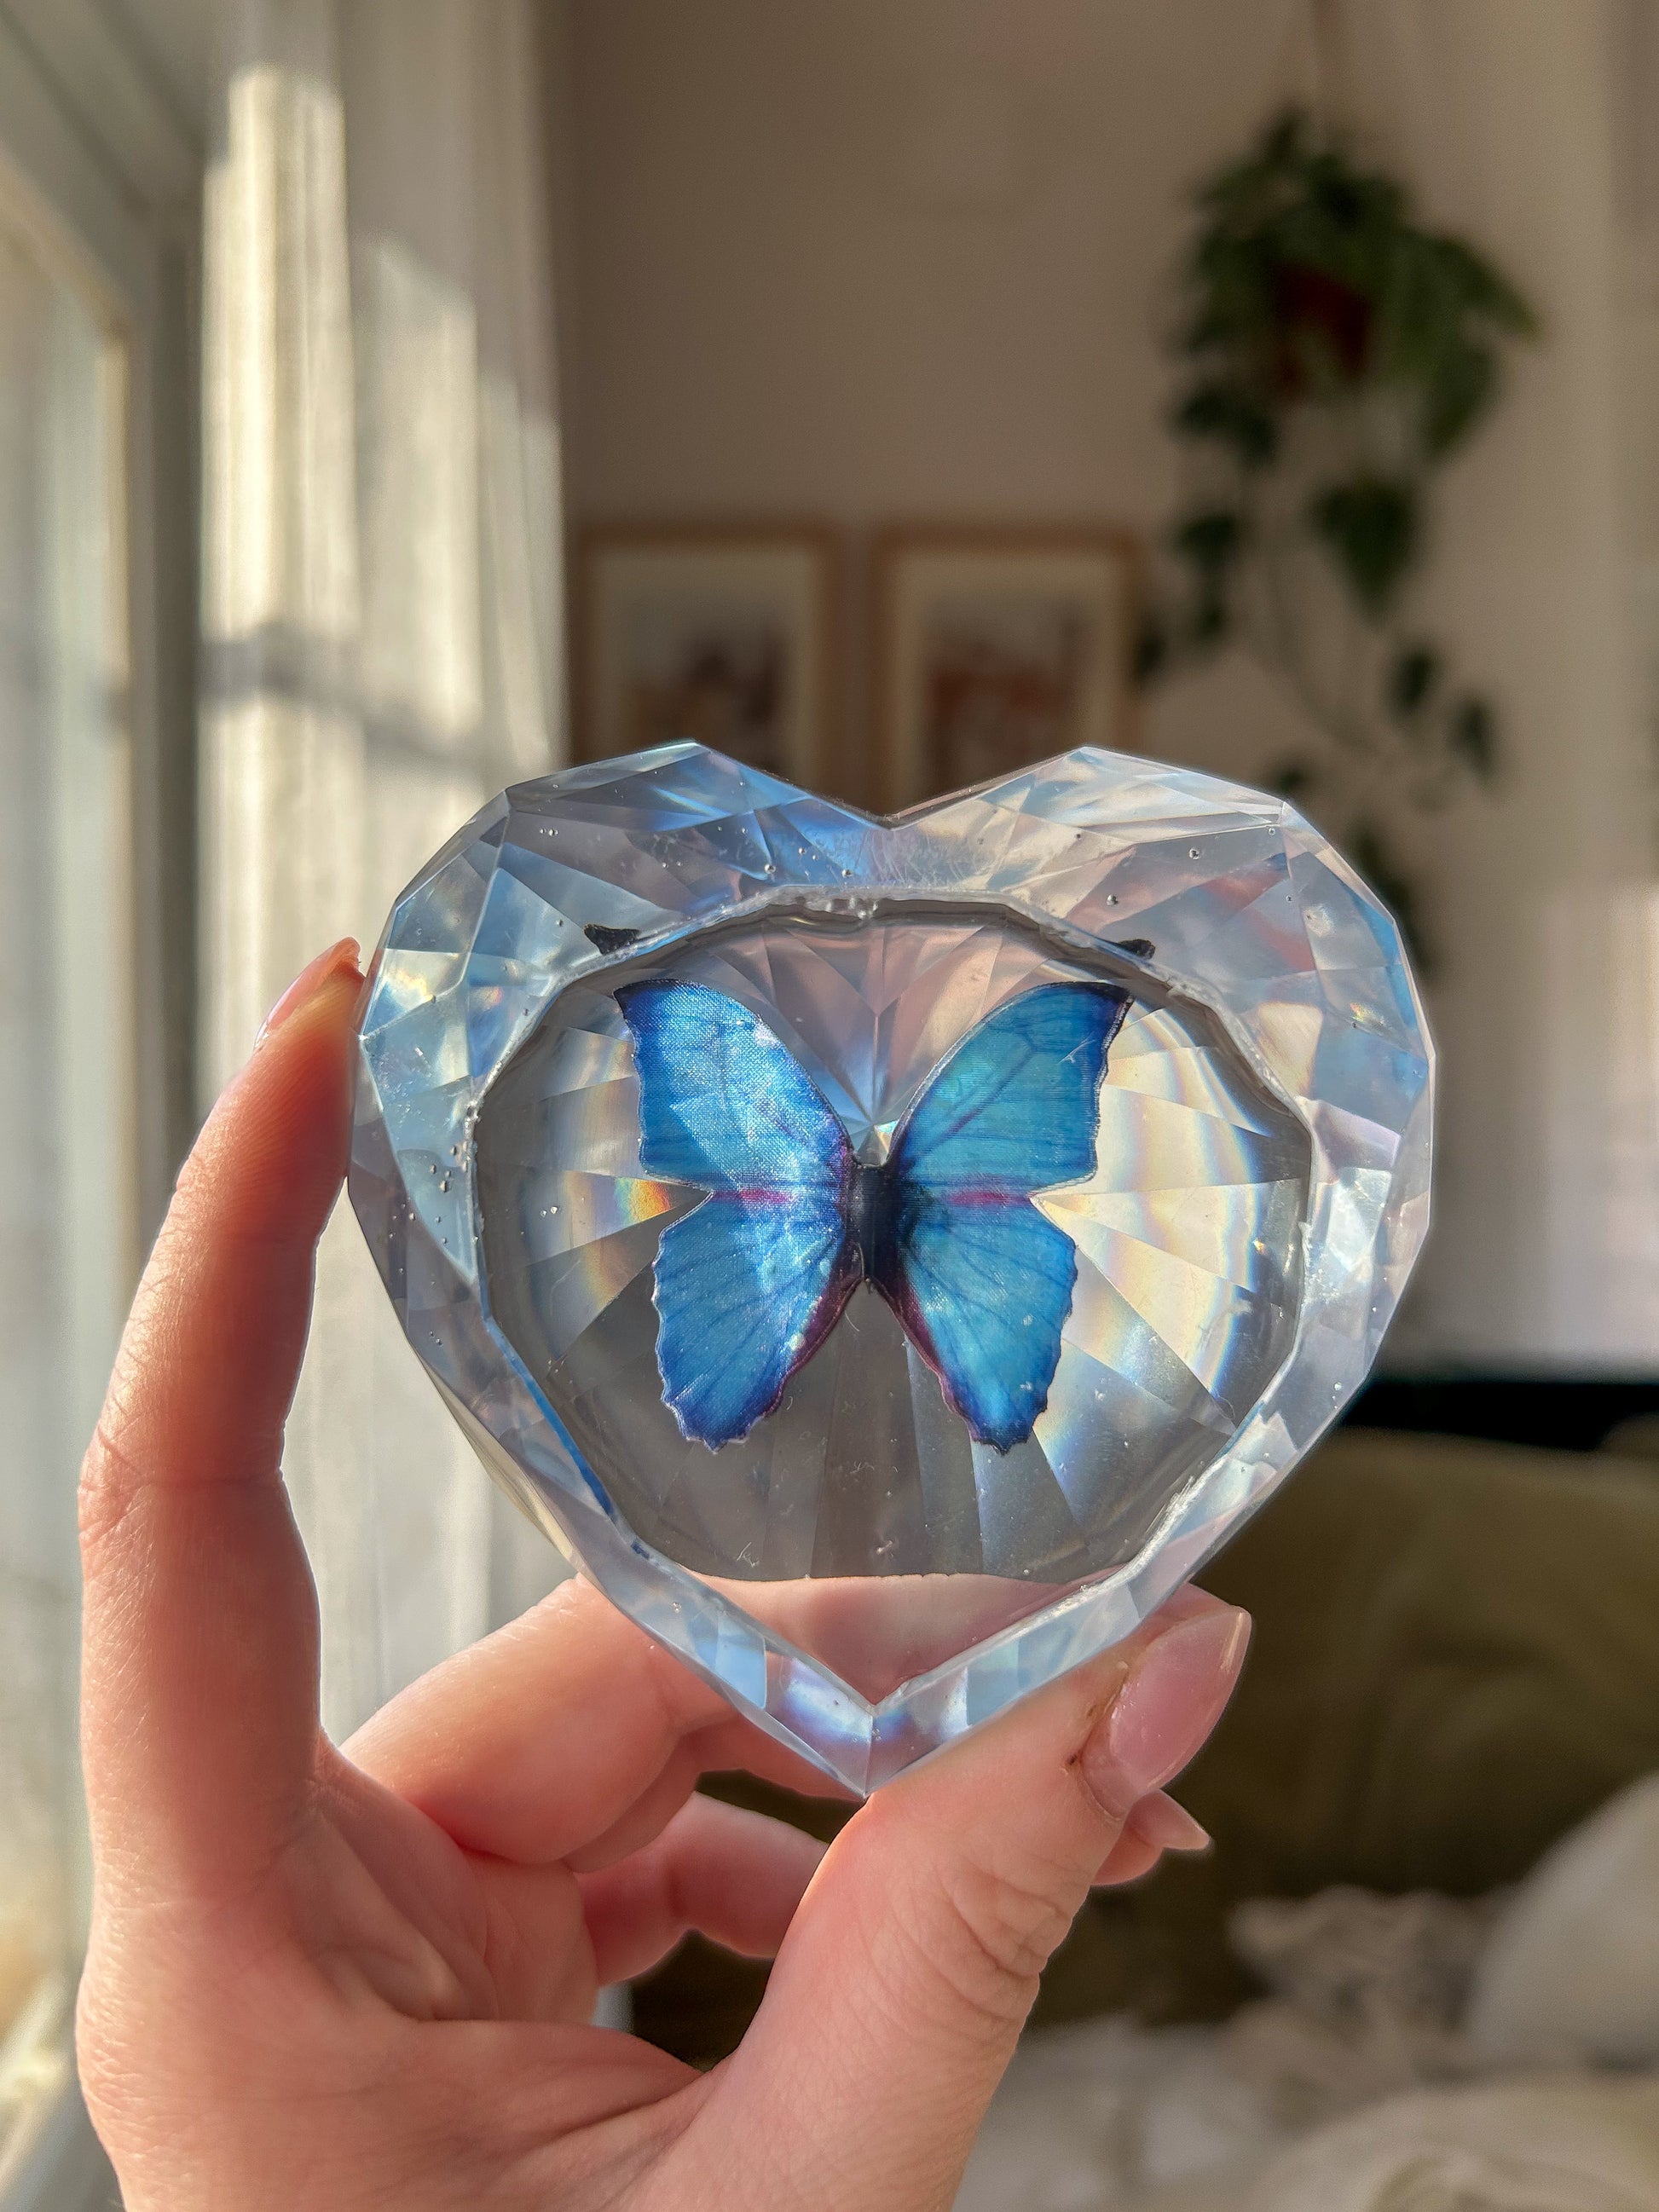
[{"x": 321, "y": 1979}]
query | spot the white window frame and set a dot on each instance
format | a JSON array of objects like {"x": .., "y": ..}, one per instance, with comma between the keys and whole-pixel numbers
[{"x": 107, "y": 178}]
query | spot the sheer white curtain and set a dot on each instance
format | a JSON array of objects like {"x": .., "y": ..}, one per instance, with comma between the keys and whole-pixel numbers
[
  {"x": 381, "y": 651},
  {"x": 67, "y": 1197}
]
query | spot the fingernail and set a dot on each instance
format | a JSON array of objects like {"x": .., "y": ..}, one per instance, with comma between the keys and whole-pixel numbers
[
  {"x": 307, "y": 984},
  {"x": 1169, "y": 1704},
  {"x": 1167, "y": 1826}
]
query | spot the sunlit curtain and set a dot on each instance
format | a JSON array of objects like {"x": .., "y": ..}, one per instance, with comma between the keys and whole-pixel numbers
[
  {"x": 381, "y": 604},
  {"x": 67, "y": 1198}
]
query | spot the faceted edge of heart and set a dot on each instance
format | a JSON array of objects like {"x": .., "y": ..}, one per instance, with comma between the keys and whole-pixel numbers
[{"x": 506, "y": 916}]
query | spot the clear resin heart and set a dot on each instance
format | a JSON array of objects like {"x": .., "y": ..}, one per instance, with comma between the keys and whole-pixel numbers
[{"x": 889, "y": 1257}]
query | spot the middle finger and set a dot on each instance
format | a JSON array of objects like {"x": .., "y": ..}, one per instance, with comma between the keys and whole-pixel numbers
[{"x": 567, "y": 1735}]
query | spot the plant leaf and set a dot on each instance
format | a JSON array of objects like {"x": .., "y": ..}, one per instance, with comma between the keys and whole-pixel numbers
[
  {"x": 1293, "y": 779},
  {"x": 1371, "y": 527},
  {"x": 1211, "y": 620},
  {"x": 1413, "y": 674},
  {"x": 1484, "y": 290},
  {"x": 1473, "y": 737},
  {"x": 1209, "y": 539},
  {"x": 1229, "y": 413},
  {"x": 1372, "y": 853},
  {"x": 1457, "y": 391},
  {"x": 1151, "y": 655}
]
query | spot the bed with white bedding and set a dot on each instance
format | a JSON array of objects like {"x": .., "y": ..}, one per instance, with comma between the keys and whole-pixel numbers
[{"x": 1415, "y": 2054}]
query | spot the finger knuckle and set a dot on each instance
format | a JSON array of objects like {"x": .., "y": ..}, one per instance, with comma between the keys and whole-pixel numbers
[
  {"x": 109, "y": 1483},
  {"x": 1015, "y": 1922},
  {"x": 996, "y": 1929},
  {"x": 112, "y": 1473}
]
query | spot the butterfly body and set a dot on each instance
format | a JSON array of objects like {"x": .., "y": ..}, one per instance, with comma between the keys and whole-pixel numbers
[
  {"x": 870, "y": 1218},
  {"x": 751, "y": 1283}
]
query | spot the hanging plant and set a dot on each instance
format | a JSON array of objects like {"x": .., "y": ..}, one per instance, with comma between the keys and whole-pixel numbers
[{"x": 1335, "y": 355}]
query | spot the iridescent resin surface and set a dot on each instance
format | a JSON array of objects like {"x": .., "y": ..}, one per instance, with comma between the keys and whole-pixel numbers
[{"x": 876, "y": 1563}]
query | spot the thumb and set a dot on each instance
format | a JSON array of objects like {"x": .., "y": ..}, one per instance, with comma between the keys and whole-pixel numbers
[{"x": 910, "y": 1967}]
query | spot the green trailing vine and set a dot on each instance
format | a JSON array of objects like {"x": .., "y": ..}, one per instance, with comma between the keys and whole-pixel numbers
[{"x": 1335, "y": 353}]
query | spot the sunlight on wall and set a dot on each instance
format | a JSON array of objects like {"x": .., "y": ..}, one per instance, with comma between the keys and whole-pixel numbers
[{"x": 1598, "y": 1066}]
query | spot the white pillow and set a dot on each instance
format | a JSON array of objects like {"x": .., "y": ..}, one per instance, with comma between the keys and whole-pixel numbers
[
  {"x": 1570, "y": 1971},
  {"x": 1544, "y": 2144}
]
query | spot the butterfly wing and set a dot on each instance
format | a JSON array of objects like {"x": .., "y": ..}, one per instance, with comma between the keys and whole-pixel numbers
[
  {"x": 981, "y": 1280},
  {"x": 750, "y": 1282}
]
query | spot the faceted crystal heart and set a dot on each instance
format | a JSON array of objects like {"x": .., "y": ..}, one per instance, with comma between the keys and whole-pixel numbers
[{"x": 1238, "y": 1186}]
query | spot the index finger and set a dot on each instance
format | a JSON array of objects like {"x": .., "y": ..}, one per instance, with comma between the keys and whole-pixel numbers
[
  {"x": 567, "y": 1734},
  {"x": 199, "y": 1667}
]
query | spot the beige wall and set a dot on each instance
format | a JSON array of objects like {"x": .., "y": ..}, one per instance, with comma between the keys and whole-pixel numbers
[
  {"x": 875, "y": 261},
  {"x": 880, "y": 258}
]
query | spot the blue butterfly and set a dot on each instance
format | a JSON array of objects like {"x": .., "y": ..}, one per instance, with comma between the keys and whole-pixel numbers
[{"x": 752, "y": 1280}]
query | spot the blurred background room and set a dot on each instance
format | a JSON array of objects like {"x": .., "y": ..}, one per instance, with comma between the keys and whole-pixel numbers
[{"x": 402, "y": 397}]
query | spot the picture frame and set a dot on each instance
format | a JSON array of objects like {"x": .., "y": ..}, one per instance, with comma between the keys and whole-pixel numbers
[
  {"x": 724, "y": 632},
  {"x": 995, "y": 647}
]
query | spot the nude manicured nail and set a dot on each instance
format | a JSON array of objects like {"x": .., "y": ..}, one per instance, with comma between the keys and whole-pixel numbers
[
  {"x": 1167, "y": 1826},
  {"x": 1172, "y": 1699},
  {"x": 307, "y": 984}
]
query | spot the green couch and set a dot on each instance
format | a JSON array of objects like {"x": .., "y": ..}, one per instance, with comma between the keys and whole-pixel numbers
[{"x": 1455, "y": 1658}]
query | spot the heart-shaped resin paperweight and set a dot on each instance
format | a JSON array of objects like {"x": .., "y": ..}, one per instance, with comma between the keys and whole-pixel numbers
[{"x": 890, "y": 1257}]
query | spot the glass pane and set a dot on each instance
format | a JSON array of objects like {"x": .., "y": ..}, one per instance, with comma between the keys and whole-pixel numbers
[{"x": 67, "y": 1229}]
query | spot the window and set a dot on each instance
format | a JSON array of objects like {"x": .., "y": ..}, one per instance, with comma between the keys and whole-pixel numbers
[
  {"x": 68, "y": 1189},
  {"x": 96, "y": 980}
]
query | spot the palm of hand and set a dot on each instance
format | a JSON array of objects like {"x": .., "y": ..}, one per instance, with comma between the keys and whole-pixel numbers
[
  {"x": 438, "y": 1996},
  {"x": 321, "y": 1980}
]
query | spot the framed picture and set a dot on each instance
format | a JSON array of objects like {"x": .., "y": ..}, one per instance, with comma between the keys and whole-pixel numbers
[
  {"x": 722, "y": 633},
  {"x": 997, "y": 647}
]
